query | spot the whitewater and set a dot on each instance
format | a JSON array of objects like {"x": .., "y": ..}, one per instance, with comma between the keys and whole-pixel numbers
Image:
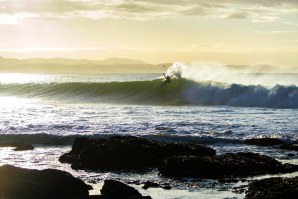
[{"x": 217, "y": 109}]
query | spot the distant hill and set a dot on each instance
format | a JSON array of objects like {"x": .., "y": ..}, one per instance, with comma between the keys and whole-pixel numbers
[
  {"x": 62, "y": 65},
  {"x": 120, "y": 61},
  {"x": 114, "y": 65}
]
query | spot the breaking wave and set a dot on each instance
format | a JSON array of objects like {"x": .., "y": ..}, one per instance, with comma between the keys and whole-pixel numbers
[{"x": 156, "y": 92}]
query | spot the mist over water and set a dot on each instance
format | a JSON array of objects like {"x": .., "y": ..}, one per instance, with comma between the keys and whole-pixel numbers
[{"x": 217, "y": 72}]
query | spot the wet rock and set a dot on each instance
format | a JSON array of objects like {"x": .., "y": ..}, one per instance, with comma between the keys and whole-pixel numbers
[
  {"x": 149, "y": 184},
  {"x": 290, "y": 154},
  {"x": 18, "y": 146},
  {"x": 114, "y": 190},
  {"x": 19, "y": 183},
  {"x": 166, "y": 187},
  {"x": 162, "y": 128},
  {"x": 264, "y": 141},
  {"x": 291, "y": 147},
  {"x": 126, "y": 152},
  {"x": 239, "y": 190},
  {"x": 227, "y": 165},
  {"x": 23, "y": 147},
  {"x": 273, "y": 188}
]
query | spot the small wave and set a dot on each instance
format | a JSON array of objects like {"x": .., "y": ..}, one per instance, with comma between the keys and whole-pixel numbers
[
  {"x": 43, "y": 139},
  {"x": 56, "y": 140},
  {"x": 156, "y": 92}
]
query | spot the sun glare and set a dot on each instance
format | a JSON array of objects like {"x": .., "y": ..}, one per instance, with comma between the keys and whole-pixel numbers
[
  {"x": 19, "y": 78},
  {"x": 9, "y": 102}
]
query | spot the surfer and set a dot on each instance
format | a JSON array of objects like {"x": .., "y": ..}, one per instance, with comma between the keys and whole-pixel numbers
[{"x": 168, "y": 78}]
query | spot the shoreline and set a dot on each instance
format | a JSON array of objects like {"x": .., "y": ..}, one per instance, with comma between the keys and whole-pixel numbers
[{"x": 190, "y": 188}]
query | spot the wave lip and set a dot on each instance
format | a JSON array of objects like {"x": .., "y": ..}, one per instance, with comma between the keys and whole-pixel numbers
[{"x": 156, "y": 92}]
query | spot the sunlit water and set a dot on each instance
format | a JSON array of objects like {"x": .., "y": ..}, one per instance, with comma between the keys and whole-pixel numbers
[{"x": 50, "y": 123}]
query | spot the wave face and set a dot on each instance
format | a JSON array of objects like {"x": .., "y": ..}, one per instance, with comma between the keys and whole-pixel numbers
[{"x": 156, "y": 92}]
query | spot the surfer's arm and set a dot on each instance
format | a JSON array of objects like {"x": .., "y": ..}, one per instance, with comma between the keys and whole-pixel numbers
[{"x": 164, "y": 75}]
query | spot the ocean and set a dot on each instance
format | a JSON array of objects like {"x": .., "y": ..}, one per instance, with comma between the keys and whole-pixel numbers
[{"x": 50, "y": 110}]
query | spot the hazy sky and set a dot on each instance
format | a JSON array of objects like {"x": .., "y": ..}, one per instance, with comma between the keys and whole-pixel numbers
[{"x": 225, "y": 31}]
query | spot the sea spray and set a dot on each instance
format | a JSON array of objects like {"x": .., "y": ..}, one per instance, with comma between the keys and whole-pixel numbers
[
  {"x": 178, "y": 70},
  {"x": 216, "y": 72}
]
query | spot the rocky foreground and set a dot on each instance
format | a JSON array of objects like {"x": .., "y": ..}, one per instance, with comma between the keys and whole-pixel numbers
[
  {"x": 273, "y": 188},
  {"x": 19, "y": 183},
  {"x": 172, "y": 159},
  {"x": 133, "y": 153},
  {"x": 18, "y": 146},
  {"x": 272, "y": 142},
  {"x": 126, "y": 152},
  {"x": 116, "y": 190},
  {"x": 227, "y": 165}
]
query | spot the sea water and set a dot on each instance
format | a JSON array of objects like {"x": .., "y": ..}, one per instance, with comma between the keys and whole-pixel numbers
[{"x": 50, "y": 110}]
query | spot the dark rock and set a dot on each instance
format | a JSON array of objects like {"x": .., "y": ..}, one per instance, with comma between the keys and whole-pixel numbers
[
  {"x": 115, "y": 190},
  {"x": 126, "y": 152},
  {"x": 150, "y": 184},
  {"x": 227, "y": 165},
  {"x": 91, "y": 181},
  {"x": 291, "y": 155},
  {"x": 18, "y": 146},
  {"x": 19, "y": 183},
  {"x": 292, "y": 147},
  {"x": 166, "y": 187},
  {"x": 136, "y": 182},
  {"x": 240, "y": 189},
  {"x": 273, "y": 188},
  {"x": 162, "y": 128},
  {"x": 23, "y": 147},
  {"x": 78, "y": 146},
  {"x": 264, "y": 141}
]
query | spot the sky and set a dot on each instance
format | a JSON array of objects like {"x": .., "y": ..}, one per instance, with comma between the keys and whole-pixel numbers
[{"x": 154, "y": 31}]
